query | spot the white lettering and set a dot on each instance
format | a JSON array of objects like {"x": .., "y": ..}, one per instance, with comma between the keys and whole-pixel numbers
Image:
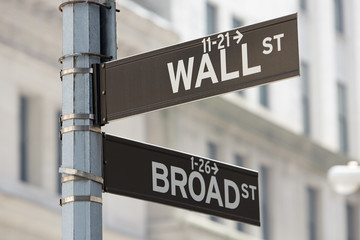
[
  {"x": 278, "y": 38},
  {"x": 181, "y": 73},
  {"x": 244, "y": 189},
  {"x": 213, "y": 192},
  {"x": 253, "y": 188},
  {"x": 268, "y": 45},
  {"x": 210, "y": 73},
  {"x": 245, "y": 64},
  {"x": 227, "y": 185},
  {"x": 158, "y": 176},
  {"x": 178, "y": 183},
  {"x": 197, "y": 197},
  {"x": 224, "y": 75}
]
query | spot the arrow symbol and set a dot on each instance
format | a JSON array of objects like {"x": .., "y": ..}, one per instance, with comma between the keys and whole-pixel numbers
[
  {"x": 238, "y": 36},
  {"x": 215, "y": 168}
]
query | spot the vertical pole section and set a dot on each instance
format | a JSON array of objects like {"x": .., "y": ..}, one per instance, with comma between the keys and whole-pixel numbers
[{"x": 81, "y": 145}]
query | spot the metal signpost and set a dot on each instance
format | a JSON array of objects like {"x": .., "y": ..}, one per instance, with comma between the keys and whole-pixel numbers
[
  {"x": 182, "y": 180},
  {"x": 92, "y": 96},
  {"x": 81, "y": 137},
  {"x": 220, "y": 63}
]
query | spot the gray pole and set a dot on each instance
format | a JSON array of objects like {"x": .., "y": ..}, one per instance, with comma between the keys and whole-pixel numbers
[{"x": 81, "y": 140}]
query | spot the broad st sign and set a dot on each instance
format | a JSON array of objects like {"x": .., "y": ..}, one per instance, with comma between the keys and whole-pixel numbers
[
  {"x": 182, "y": 180},
  {"x": 216, "y": 64}
]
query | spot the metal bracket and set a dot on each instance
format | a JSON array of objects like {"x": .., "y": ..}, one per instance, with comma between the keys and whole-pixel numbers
[
  {"x": 75, "y": 71},
  {"x": 72, "y": 116},
  {"x": 108, "y": 37},
  {"x": 71, "y": 178},
  {"x": 79, "y": 128},
  {"x": 84, "y": 54},
  {"x": 98, "y": 96},
  {"x": 70, "y": 199},
  {"x": 89, "y": 2},
  {"x": 83, "y": 175}
]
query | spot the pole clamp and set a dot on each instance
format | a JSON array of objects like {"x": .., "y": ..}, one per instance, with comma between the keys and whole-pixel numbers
[
  {"x": 84, "y": 54},
  {"x": 89, "y": 2},
  {"x": 70, "y": 199},
  {"x": 79, "y": 128},
  {"x": 75, "y": 175},
  {"x": 75, "y": 71},
  {"x": 71, "y": 116}
]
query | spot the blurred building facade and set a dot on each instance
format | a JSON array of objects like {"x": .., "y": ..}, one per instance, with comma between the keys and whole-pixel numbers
[{"x": 291, "y": 131}]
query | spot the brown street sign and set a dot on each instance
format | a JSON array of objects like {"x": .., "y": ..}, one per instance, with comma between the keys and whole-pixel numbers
[
  {"x": 209, "y": 66},
  {"x": 181, "y": 180}
]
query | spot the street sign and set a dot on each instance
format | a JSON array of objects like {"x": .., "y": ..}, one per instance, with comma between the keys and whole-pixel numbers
[
  {"x": 212, "y": 65},
  {"x": 182, "y": 180}
]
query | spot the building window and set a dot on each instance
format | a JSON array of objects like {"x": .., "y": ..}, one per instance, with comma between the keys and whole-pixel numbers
[
  {"x": 211, "y": 18},
  {"x": 339, "y": 16},
  {"x": 239, "y": 160},
  {"x": 59, "y": 154},
  {"x": 352, "y": 222},
  {"x": 264, "y": 95},
  {"x": 235, "y": 24},
  {"x": 313, "y": 215},
  {"x": 30, "y": 140},
  {"x": 241, "y": 93},
  {"x": 212, "y": 150},
  {"x": 23, "y": 138},
  {"x": 305, "y": 98},
  {"x": 264, "y": 193},
  {"x": 240, "y": 226},
  {"x": 303, "y": 5},
  {"x": 214, "y": 219},
  {"x": 213, "y": 154},
  {"x": 342, "y": 118},
  {"x": 159, "y": 7}
]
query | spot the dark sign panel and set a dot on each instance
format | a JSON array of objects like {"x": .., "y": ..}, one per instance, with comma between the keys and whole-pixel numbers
[
  {"x": 216, "y": 64},
  {"x": 182, "y": 180}
]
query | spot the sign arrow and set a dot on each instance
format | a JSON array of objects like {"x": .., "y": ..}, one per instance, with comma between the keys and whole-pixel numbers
[
  {"x": 239, "y": 36},
  {"x": 215, "y": 168}
]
